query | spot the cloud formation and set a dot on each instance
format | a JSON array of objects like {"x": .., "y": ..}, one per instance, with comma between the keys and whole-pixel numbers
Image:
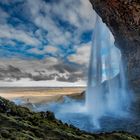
[
  {"x": 35, "y": 70},
  {"x": 11, "y": 33},
  {"x": 65, "y": 21},
  {"x": 45, "y": 40},
  {"x": 82, "y": 54},
  {"x": 55, "y": 23}
]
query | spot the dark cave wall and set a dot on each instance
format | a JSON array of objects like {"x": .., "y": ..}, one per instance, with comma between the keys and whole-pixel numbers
[{"x": 123, "y": 19}]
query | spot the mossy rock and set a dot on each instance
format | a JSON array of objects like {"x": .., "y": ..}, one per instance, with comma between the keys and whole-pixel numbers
[{"x": 19, "y": 123}]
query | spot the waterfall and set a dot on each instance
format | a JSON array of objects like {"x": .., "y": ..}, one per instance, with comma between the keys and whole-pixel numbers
[
  {"x": 107, "y": 91},
  {"x": 107, "y": 94}
]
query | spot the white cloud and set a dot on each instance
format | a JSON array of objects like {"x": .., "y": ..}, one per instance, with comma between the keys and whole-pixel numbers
[
  {"x": 9, "y": 32},
  {"x": 47, "y": 49},
  {"x": 45, "y": 15},
  {"x": 50, "y": 49},
  {"x": 51, "y": 83},
  {"x": 30, "y": 66},
  {"x": 55, "y": 35},
  {"x": 51, "y": 61},
  {"x": 3, "y": 16},
  {"x": 8, "y": 42},
  {"x": 82, "y": 55},
  {"x": 48, "y": 69},
  {"x": 78, "y": 13},
  {"x": 36, "y": 51}
]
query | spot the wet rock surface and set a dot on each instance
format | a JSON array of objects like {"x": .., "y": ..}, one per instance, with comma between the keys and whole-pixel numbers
[{"x": 123, "y": 19}]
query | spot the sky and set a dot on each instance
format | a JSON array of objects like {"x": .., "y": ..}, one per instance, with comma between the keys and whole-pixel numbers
[{"x": 45, "y": 42}]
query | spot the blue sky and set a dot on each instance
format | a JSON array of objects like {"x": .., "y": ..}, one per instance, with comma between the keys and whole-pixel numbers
[
  {"x": 37, "y": 24},
  {"x": 38, "y": 30}
]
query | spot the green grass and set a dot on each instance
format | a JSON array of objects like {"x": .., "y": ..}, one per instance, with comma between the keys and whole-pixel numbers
[{"x": 19, "y": 123}]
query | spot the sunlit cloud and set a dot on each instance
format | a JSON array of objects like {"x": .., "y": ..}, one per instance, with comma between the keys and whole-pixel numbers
[
  {"x": 46, "y": 39},
  {"x": 82, "y": 55}
]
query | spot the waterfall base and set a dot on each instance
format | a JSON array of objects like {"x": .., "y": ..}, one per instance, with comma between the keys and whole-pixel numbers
[{"x": 74, "y": 112}]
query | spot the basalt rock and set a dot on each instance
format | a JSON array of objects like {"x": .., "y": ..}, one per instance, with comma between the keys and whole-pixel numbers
[{"x": 123, "y": 19}]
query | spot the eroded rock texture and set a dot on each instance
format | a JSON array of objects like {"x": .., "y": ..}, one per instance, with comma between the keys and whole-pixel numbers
[{"x": 123, "y": 19}]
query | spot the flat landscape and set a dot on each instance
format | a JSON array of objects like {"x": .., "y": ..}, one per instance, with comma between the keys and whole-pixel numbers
[{"x": 39, "y": 94}]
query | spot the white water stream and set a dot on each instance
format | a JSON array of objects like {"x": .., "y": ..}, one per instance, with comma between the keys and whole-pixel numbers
[{"x": 107, "y": 91}]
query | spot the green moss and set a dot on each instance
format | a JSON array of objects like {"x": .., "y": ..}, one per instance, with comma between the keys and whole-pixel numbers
[{"x": 19, "y": 123}]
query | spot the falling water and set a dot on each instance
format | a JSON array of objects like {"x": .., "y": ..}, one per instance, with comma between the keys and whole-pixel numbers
[
  {"x": 107, "y": 91},
  {"x": 107, "y": 94}
]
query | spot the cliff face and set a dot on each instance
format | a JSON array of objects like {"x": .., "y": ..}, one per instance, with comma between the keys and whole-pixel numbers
[{"x": 123, "y": 19}]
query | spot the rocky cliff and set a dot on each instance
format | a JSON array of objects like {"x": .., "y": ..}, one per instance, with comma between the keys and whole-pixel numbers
[{"x": 123, "y": 19}]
